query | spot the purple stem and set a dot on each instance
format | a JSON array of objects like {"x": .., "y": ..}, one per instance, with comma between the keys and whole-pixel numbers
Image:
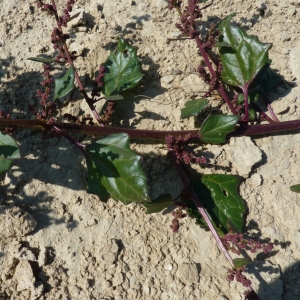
[
  {"x": 270, "y": 110},
  {"x": 73, "y": 141},
  {"x": 244, "y": 130},
  {"x": 245, "y": 91}
]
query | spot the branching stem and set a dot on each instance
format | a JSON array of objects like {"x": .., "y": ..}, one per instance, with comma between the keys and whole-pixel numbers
[
  {"x": 70, "y": 61},
  {"x": 213, "y": 73},
  {"x": 186, "y": 183}
]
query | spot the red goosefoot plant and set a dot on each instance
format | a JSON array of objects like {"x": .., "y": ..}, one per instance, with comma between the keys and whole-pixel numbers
[{"x": 235, "y": 62}]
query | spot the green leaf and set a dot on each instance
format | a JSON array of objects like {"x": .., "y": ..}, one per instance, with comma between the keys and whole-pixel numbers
[
  {"x": 267, "y": 79},
  {"x": 64, "y": 84},
  {"x": 217, "y": 27},
  {"x": 193, "y": 107},
  {"x": 219, "y": 196},
  {"x": 295, "y": 188},
  {"x": 122, "y": 69},
  {"x": 9, "y": 151},
  {"x": 114, "y": 170},
  {"x": 223, "y": 44},
  {"x": 159, "y": 204},
  {"x": 114, "y": 98},
  {"x": 244, "y": 59},
  {"x": 42, "y": 59},
  {"x": 215, "y": 128},
  {"x": 241, "y": 262}
]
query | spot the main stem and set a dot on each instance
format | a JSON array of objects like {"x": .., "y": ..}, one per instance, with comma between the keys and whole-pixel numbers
[{"x": 155, "y": 135}]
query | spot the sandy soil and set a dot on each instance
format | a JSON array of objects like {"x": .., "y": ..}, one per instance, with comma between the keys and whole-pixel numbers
[{"x": 58, "y": 242}]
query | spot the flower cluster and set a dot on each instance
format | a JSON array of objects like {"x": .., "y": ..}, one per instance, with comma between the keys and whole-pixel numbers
[
  {"x": 48, "y": 108},
  {"x": 211, "y": 38},
  {"x": 66, "y": 16},
  {"x": 177, "y": 145},
  {"x": 87, "y": 119},
  {"x": 58, "y": 38},
  {"x": 238, "y": 276},
  {"x": 234, "y": 242},
  {"x": 4, "y": 115},
  {"x": 177, "y": 214},
  {"x": 174, "y": 3},
  {"x": 47, "y": 7},
  {"x": 9, "y": 129},
  {"x": 209, "y": 42},
  {"x": 98, "y": 82},
  {"x": 47, "y": 83},
  {"x": 105, "y": 118},
  {"x": 190, "y": 15}
]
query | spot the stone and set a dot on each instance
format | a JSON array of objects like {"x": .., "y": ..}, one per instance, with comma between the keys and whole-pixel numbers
[
  {"x": 244, "y": 154},
  {"x": 24, "y": 276},
  {"x": 188, "y": 273},
  {"x": 78, "y": 18}
]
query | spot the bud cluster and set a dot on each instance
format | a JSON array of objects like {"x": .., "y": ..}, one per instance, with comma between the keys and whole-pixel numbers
[
  {"x": 9, "y": 129},
  {"x": 47, "y": 83},
  {"x": 48, "y": 108},
  {"x": 98, "y": 82},
  {"x": 66, "y": 16},
  {"x": 87, "y": 119},
  {"x": 208, "y": 44},
  {"x": 4, "y": 115},
  {"x": 177, "y": 214},
  {"x": 238, "y": 276},
  {"x": 235, "y": 241},
  {"x": 191, "y": 13},
  {"x": 177, "y": 145},
  {"x": 211, "y": 38},
  {"x": 105, "y": 118},
  {"x": 46, "y": 7},
  {"x": 58, "y": 38},
  {"x": 174, "y": 3}
]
